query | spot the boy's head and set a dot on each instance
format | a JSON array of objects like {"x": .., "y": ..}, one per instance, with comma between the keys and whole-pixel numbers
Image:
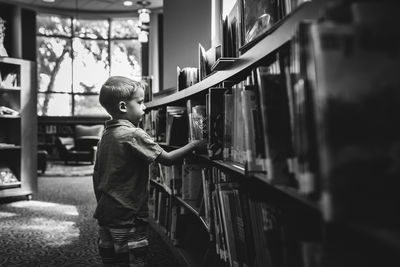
[{"x": 123, "y": 98}]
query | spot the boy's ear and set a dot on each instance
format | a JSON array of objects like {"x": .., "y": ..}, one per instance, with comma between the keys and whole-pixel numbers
[{"x": 122, "y": 106}]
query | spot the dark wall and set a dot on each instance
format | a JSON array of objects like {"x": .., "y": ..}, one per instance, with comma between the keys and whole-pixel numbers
[
  {"x": 186, "y": 23},
  {"x": 6, "y": 13},
  {"x": 28, "y": 26}
]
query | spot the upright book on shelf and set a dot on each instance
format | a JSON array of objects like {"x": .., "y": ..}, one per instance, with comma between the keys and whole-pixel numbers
[
  {"x": 253, "y": 133},
  {"x": 275, "y": 116},
  {"x": 215, "y": 121}
]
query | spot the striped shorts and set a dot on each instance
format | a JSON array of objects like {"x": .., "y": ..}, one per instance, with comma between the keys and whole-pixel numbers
[{"x": 124, "y": 246}]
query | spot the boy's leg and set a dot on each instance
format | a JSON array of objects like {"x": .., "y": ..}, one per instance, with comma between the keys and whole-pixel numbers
[
  {"x": 106, "y": 246},
  {"x": 131, "y": 244},
  {"x": 138, "y": 243}
]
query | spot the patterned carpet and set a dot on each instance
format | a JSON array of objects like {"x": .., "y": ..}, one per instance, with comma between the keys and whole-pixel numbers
[{"x": 56, "y": 228}]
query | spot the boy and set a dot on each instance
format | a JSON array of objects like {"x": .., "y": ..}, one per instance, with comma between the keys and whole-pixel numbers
[{"x": 120, "y": 175}]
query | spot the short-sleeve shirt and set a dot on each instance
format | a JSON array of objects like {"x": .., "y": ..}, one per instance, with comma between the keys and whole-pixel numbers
[{"x": 121, "y": 173}]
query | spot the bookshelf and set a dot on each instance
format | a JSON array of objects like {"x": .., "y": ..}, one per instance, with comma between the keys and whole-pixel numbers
[
  {"x": 309, "y": 10},
  {"x": 300, "y": 211},
  {"x": 18, "y": 128}
]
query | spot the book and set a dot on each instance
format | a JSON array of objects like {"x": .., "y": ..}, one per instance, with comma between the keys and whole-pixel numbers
[
  {"x": 191, "y": 181},
  {"x": 228, "y": 125},
  {"x": 199, "y": 122},
  {"x": 186, "y": 77},
  {"x": 275, "y": 118},
  {"x": 255, "y": 155},
  {"x": 215, "y": 122},
  {"x": 225, "y": 190},
  {"x": 204, "y": 65},
  {"x": 176, "y": 126}
]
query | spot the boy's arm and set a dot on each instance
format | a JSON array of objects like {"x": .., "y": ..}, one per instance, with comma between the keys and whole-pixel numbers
[{"x": 170, "y": 158}]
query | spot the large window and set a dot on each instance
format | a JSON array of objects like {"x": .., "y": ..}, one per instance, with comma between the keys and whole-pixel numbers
[{"x": 76, "y": 56}]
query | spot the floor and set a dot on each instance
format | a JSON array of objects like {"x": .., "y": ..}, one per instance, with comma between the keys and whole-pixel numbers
[{"x": 56, "y": 227}]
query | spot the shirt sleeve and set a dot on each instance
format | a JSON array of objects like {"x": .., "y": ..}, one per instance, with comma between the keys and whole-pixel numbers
[{"x": 144, "y": 146}]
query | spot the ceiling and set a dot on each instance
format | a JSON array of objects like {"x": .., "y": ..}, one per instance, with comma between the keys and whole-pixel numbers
[{"x": 98, "y": 6}]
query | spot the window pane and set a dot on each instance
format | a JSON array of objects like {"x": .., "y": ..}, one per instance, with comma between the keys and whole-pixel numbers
[
  {"x": 54, "y": 64},
  {"x": 124, "y": 28},
  {"x": 88, "y": 105},
  {"x": 93, "y": 29},
  {"x": 53, "y": 25},
  {"x": 126, "y": 58},
  {"x": 91, "y": 67},
  {"x": 54, "y": 104}
]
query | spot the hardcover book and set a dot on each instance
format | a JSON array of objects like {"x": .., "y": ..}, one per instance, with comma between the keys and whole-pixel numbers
[
  {"x": 215, "y": 121},
  {"x": 253, "y": 134},
  {"x": 199, "y": 122},
  {"x": 276, "y": 123}
]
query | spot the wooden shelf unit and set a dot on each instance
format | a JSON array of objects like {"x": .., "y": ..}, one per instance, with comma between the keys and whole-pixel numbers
[
  {"x": 252, "y": 57},
  {"x": 18, "y": 132}
]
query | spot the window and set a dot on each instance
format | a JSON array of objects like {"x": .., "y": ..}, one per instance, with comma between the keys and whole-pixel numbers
[{"x": 76, "y": 56}]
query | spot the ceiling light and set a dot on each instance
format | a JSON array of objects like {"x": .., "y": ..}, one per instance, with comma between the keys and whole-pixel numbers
[
  {"x": 143, "y": 37},
  {"x": 128, "y": 3},
  {"x": 144, "y": 15},
  {"x": 49, "y": 1}
]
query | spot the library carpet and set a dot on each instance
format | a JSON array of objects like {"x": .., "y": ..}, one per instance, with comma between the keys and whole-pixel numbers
[{"x": 56, "y": 228}]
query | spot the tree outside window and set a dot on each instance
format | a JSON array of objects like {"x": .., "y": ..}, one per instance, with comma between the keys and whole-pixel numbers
[{"x": 76, "y": 56}]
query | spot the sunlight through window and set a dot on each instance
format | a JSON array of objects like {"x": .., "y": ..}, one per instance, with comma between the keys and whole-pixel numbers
[{"x": 76, "y": 56}]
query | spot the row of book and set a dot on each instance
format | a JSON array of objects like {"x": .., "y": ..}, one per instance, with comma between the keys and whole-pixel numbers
[
  {"x": 177, "y": 125},
  {"x": 245, "y": 230},
  {"x": 239, "y": 24},
  {"x": 182, "y": 180},
  {"x": 55, "y": 129}
]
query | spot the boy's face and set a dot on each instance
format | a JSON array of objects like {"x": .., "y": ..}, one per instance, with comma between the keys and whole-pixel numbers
[{"x": 135, "y": 107}]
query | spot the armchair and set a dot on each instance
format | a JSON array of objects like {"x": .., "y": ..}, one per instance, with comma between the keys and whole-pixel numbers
[{"x": 82, "y": 146}]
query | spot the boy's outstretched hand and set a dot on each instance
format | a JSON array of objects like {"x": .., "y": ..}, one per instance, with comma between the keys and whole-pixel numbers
[{"x": 200, "y": 145}]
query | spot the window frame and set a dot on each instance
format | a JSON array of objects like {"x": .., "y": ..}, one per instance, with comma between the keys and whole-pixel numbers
[{"x": 70, "y": 39}]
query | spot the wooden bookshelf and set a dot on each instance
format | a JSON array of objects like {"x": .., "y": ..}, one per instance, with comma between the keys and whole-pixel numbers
[
  {"x": 252, "y": 57},
  {"x": 331, "y": 225},
  {"x": 18, "y": 131}
]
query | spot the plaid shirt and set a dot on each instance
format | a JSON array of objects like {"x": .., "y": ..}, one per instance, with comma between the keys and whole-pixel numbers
[{"x": 121, "y": 173}]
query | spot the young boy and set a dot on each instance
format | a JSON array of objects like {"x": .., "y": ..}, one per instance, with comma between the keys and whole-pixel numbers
[{"x": 121, "y": 175}]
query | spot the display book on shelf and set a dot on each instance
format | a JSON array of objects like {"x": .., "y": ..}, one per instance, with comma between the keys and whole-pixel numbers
[
  {"x": 312, "y": 122},
  {"x": 18, "y": 127}
]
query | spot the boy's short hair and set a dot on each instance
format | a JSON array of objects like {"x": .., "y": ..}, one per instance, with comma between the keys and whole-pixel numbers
[{"x": 116, "y": 89}]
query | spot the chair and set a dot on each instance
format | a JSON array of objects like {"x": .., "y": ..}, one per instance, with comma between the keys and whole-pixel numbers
[
  {"x": 42, "y": 160},
  {"x": 82, "y": 146}
]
